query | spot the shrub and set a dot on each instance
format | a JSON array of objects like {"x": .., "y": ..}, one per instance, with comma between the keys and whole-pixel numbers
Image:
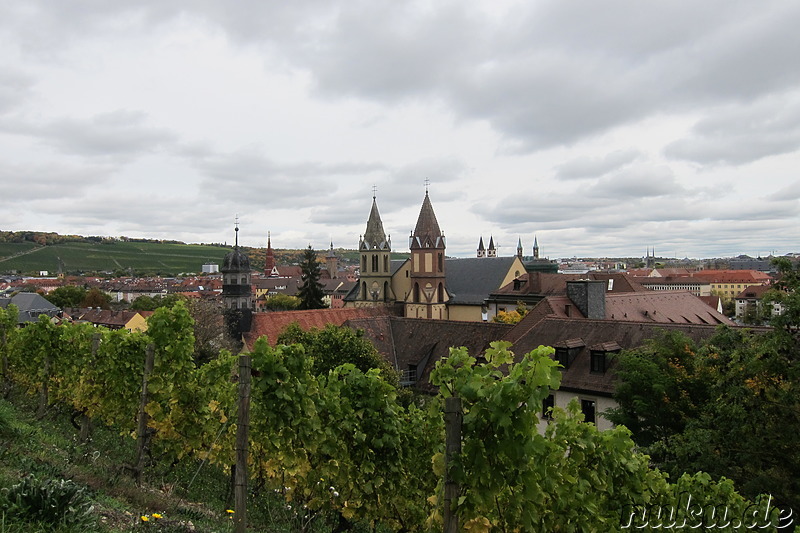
[{"x": 51, "y": 501}]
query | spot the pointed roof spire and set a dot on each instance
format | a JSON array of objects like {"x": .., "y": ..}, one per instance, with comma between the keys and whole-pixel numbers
[
  {"x": 480, "y": 244},
  {"x": 427, "y": 228},
  {"x": 374, "y": 236}
]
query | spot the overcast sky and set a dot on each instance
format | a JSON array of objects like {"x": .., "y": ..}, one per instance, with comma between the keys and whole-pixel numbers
[{"x": 601, "y": 128}]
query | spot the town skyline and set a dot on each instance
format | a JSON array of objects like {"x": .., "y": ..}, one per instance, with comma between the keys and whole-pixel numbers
[{"x": 598, "y": 129}]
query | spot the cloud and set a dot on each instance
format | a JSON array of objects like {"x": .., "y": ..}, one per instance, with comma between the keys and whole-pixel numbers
[
  {"x": 593, "y": 167},
  {"x": 740, "y": 134},
  {"x": 116, "y": 136},
  {"x": 34, "y": 183}
]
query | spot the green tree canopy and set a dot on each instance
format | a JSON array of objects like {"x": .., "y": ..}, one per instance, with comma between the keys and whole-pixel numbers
[
  {"x": 729, "y": 406},
  {"x": 333, "y": 346},
  {"x": 282, "y": 302},
  {"x": 67, "y": 296},
  {"x": 151, "y": 303},
  {"x": 310, "y": 291}
]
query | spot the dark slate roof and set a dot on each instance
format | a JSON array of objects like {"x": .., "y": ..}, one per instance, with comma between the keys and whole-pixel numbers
[
  {"x": 471, "y": 280},
  {"x": 235, "y": 261},
  {"x": 419, "y": 343},
  {"x": 30, "y": 305},
  {"x": 593, "y": 334}
]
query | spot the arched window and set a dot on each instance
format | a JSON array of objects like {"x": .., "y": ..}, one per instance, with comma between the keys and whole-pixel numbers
[
  {"x": 374, "y": 263},
  {"x": 363, "y": 290},
  {"x": 364, "y": 263},
  {"x": 441, "y": 263},
  {"x": 440, "y": 294},
  {"x": 386, "y": 263},
  {"x": 386, "y": 291},
  {"x": 416, "y": 292}
]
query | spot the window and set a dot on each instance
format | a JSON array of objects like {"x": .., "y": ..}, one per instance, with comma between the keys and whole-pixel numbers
[
  {"x": 588, "y": 408},
  {"x": 562, "y": 356},
  {"x": 386, "y": 263},
  {"x": 374, "y": 263},
  {"x": 364, "y": 263},
  {"x": 547, "y": 406},
  {"x": 597, "y": 362}
]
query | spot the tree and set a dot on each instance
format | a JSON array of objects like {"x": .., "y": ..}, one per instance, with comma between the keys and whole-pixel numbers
[
  {"x": 67, "y": 296},
  {"x": 310, "y": 291},
  {"x": 96, "y": 298},
  {"x": 333, "y": 346},
  {"x": 151, "y": 303},
  {"x": 730, "y": 406},
  {"x": 282, "y": 302}
]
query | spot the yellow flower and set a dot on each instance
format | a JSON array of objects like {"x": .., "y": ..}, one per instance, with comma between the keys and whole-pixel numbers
[
  {"x": 156, "y": 515},
  {"x": 145, "y": 518}
]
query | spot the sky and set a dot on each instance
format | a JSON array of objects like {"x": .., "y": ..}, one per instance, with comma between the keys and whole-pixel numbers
[{"x": 603, "y": 129}]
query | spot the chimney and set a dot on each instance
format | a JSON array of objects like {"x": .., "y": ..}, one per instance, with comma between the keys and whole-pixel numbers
[{"x": 589, "y": 297}]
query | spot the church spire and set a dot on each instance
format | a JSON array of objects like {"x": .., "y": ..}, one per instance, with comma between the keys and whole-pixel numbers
[
  {"x": 519, "y": 247},
  {"x": 374, "y": 236},
  {"x": 481, "y": 248}
]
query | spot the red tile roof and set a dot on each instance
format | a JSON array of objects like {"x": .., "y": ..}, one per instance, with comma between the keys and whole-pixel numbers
[{"x": 272, "y": 324}]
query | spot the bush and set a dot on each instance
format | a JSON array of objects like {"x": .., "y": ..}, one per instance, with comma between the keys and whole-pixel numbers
[{"x": 53, "y": 502}]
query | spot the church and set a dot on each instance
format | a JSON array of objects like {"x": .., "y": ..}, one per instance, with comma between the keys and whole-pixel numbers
[{"x": 428, "y": 284}]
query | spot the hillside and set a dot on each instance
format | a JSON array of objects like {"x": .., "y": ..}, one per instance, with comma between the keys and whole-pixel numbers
[{"x": 84, "y": 255}]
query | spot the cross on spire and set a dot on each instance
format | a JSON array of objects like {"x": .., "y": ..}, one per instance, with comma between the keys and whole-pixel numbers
[
  {"x": 427, "y": 184},
  {"x": 374, "y": 191}
]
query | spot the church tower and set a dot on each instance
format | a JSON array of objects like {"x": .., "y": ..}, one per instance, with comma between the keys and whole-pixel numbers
[
  {"x": 270, "y": 270},
  {"x": 519, "y": 248},
  {"x": 428, "y": 295},
  {"x": 481, "y": 248},
  {"x": 535, "y": 248},
  {"x": 332, "y": 263},
  {"x": 237, "y": 297},
  {"x": 492, "y": 251},
  {"x": 375, "y": 283}
]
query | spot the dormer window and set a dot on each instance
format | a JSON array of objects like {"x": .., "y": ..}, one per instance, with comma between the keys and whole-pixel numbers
[{"x": 597, "y": 362}]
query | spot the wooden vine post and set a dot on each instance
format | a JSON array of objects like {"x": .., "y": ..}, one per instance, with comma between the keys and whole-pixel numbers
[
  {"x": 452, "y": 427},
  {"x": 142, "y": 433},
  {"x": 86, "y": 422},
  {"x": 242, "y": 429}
]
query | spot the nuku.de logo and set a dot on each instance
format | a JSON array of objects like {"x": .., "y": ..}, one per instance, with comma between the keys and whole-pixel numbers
[{"x": 688, "y": 515}]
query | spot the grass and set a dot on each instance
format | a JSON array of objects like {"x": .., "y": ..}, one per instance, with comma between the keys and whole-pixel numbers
[{"x": 187, "y": 495}]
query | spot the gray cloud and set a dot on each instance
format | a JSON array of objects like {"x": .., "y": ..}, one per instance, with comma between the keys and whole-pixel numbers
[
  {"x": 31, "y": 184},
  {"x": 593, "y": 167},
  {"x": 739, "y": 134}
]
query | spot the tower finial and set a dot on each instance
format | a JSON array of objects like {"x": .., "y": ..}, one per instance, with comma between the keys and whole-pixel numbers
[
  {"x": 427, "y": 184},
  {"x": 374, "y": 191},
  {"x": 236, "y": 229}
]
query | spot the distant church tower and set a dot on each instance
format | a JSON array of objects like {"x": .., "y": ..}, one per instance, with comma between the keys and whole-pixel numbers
[
  {"x": 332, "y": 263},
  {"x": 237, "y": 297},
  {"x": 481, "y": 249},
  {"x": 375, "y": 283},
  {"x": 428, "y": 296},
  {"x": 519, "y": 248},
  {"x": 492, "y": 252},
  {"x": 535, "y": 248},
  {"x": 269, "y": 262}
]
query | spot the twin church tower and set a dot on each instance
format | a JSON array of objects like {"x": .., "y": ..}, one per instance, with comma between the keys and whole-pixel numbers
[{"x": 418, "y": 284}]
